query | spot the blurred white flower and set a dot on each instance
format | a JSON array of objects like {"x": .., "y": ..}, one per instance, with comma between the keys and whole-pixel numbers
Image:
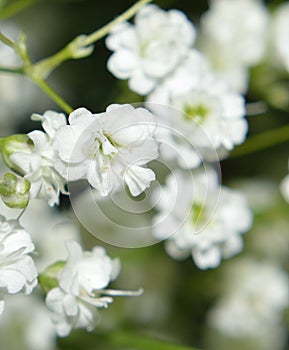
[
  {"x": 26, "y": 324},
  {"x": 204, "y": 117},
  {"x": 150, "y": 50},
  {"x": 231, "y": 43},
  {"x": 255, "y": 296},
  {"x": 39, "y": 164},
  {"x": 82, "y": 290},
  {"x": 17, "y": 270},
  {"x": 280, "y": 27},
  {"x": 108, "y": 148},
  {"x": 201, "y": 219}
]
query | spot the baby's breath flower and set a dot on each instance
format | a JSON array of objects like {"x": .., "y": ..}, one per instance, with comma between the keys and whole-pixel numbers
[
  {"x": 82, "y": 289},
  {"x": 17, "y": 270},
  {"x": 231, "y": 43},
  {"x": 150, "y": 50},
  {"x": 204, "y": 221},
  {"x": 38, "y": 164},
  {"x": 108, "y": 148}
]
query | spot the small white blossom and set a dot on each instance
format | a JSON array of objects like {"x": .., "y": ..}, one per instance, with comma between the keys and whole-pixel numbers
[
  {"x": 255, "y": 295},
  {"x": 199, "y": 218},
  {"x": 145, "y": 53},
  {"x": 82, "y": 290},
  {"x": 231, "y": 43},
  {"x": 203, "y": 117},
  {"x": 17, "y": 270},
  {"x": 108, "y": 148},
  {"x": 281, "y": 33},
  {"x": 39, "y": 164}
]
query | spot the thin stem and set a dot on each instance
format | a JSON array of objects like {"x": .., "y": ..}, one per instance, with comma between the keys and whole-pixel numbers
[
  {"x": 11, "y": 70},
  {"x": 15, "y": 7},
  {"x": 53, "y": 95},
  {"x": 6, "y": 40},
  {"x": 262, "y": 141},
  {"x": 100, "y": 33}
]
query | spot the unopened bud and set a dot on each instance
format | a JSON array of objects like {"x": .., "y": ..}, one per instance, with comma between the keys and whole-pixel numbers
[
  {"x": 12, "y": 144},
  {"x": 14, "y": 191},
  {"x": 50, "y": 277}
]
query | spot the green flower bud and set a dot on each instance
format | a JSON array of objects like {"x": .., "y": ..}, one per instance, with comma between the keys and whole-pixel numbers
[
  {"x": 12, "y": 144},
  {"x": 14, "y": 190},
  {"x": 50, "y": 277}
]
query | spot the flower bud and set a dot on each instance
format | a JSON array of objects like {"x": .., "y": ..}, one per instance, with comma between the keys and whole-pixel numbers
[
  {"x": 12, "y": 144},
  {"x": 50, "y": 277},
  {"x": 14, "y": 191}
]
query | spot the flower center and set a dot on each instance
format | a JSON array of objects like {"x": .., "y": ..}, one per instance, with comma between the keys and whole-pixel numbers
[
  {"x": 198, "y": 112},
  {"x": 198, "y": 214}
]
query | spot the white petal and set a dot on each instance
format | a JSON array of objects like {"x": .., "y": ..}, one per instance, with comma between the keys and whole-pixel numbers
[
  {"x": 138, "y": 179},
  {"x": 122, "y": 63},
  {"x": 209, "y": 258}
]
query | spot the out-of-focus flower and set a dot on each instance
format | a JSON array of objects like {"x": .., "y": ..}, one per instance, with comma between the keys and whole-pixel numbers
[
  {"x": 231, "y": 43},
  {"x": 26, "y": 324},
  {"x": 17, "y": 270},
  {"x": 201, "y": 219},
  {"x": 208, "y": 115},
  {"x": 150, "y": 50},
  {"x": 81, "y": 291},
  {"x": 255, "y": 296},
  {"x": 281, "y": 33},
  {"x": 38, "y": 164},
  {"x": 108, "y": 148}
]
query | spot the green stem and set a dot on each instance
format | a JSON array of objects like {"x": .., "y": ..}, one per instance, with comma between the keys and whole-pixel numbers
[
  {"x": 11, "y": 70},
  {"x": 100, "y": 33},
  {"x": 140, "y": 342},
  {"x": 6, "y": 40},
  {"x": 15, "y": 7},
  {"x": 81, "y": 46},
  {"x": 52, "y": 94},
  {"x": 262, "y": 141}
]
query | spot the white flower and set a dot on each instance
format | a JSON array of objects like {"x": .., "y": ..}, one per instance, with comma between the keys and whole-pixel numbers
[
  {"x": 281, "y": 33},
  {"x": 17, "y": 270},
  {"x": 108, "y": 148},
  {"x": 199, "y": 218},
  {"x": 82, "y": 290},
  {"x": 39, "y": 165},
  {"x": 151, "y": 49},
  {"x": 28, "y": 320},
  {"x": 255, "y": 295},
  {"x": 204, "y": 117},
  {"x": 231, "y": 43}
]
